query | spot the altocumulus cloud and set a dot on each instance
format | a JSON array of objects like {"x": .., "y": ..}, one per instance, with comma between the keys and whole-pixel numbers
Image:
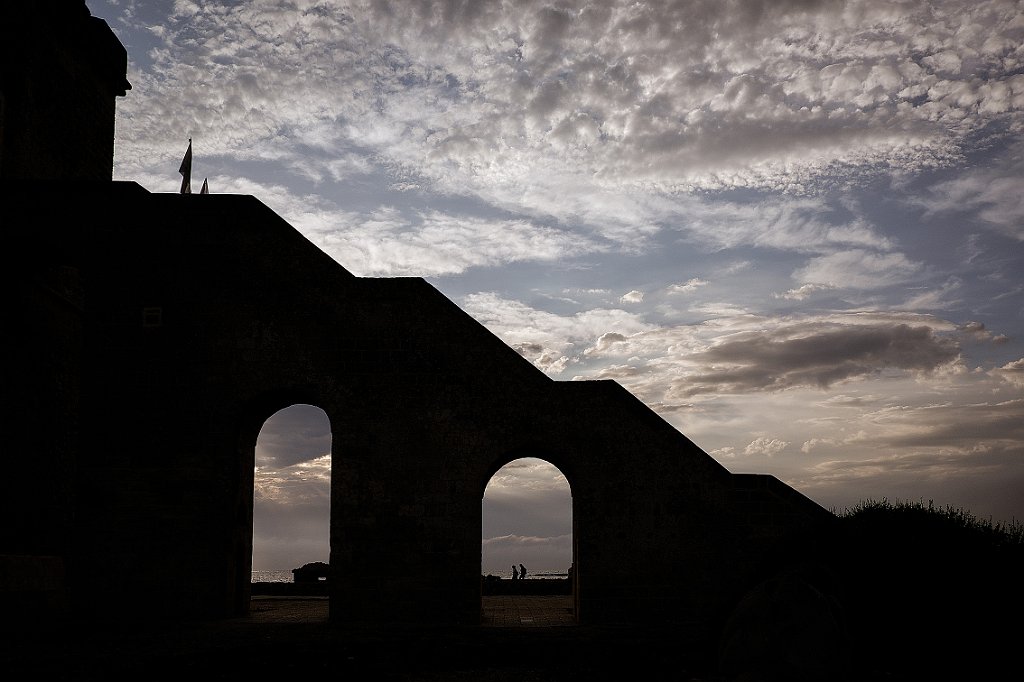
[
  {"x": 591, "y": 111},
  {"x": 804, "y": 225},
  {"x": 995, "y": 195},
  {"x": 765, "y": 446},
  {"x": 795, "y": 168},
  {"x": 435, "y": 243},
  {"x": 392, "y": 242},
  {"x": 1012, "y": 372},
  {"x": 539, "y": 335},
  {"x": 655, "y": 89}
]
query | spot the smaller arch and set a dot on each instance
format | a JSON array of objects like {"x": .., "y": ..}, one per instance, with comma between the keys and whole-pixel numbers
[{"x": 514, "y": 537}]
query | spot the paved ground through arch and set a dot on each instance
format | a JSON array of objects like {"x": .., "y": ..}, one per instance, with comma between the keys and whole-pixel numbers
[
  {"x": 526, "y": 610},
  {"x": 495, "y": 611}
]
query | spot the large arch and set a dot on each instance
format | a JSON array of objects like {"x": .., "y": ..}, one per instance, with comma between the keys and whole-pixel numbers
[
  {"x": 291, "y": 510},
  {"x": 253, "y": 418}
]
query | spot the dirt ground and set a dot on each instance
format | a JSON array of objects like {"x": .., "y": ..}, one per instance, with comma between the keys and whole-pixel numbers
[{"x": 284, "y": 638}]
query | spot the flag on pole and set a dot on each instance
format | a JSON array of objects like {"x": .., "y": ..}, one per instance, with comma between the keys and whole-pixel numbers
[
  {"x": 186, "y": 170},
  {"x": 206, "y": 188}
]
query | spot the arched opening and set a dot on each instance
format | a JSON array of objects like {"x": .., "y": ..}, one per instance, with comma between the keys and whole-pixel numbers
[
  {"x": 527, "y": 528},
  {"x": 292, "y": 507}
]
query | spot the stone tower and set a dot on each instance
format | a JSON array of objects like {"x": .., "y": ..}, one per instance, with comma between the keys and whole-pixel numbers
[{"x": 60, "y": 72}]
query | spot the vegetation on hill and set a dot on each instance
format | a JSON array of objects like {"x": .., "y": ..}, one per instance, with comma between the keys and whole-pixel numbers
[
  {"x": 929, "y": 589},
  {"x": 953, "y": 523}
]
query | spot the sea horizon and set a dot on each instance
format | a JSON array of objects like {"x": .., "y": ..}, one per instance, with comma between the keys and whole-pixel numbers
[{"x": 285, "y": 575}]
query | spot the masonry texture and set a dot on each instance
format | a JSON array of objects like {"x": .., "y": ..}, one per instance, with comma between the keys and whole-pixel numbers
[{"x": 149, "y": 336}]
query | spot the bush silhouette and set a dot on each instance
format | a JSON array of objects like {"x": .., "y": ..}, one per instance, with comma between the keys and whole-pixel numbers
[{"x": 927, "y": 588}]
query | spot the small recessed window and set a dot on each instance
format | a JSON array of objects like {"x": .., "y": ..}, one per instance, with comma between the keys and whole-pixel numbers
[{"x": 152, "y": 317}]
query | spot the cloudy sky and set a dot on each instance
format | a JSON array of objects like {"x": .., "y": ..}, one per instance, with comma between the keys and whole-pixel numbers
[{"x": 794, "y": 228}]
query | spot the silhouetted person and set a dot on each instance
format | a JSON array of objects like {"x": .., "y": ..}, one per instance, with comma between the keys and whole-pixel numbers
[
  {"x": 522, "y": 572},
  {"x": 514, "y": 574}
]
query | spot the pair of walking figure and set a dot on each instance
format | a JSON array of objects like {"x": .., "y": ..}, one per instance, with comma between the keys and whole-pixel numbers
[{"x": 521, "y": 574}]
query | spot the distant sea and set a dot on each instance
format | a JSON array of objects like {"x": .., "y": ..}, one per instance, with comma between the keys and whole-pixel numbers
[
  {"x": 272, "y": 576},
  {"x": 532, "y": 575},
  {"x": 286, "y": 576}
]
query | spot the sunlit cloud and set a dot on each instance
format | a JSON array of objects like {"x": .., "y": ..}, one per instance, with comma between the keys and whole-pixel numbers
[
  {"x": 804, "y": 291},
  {"x": 858, "y": 269},
  {"x": 389, "y": 243},
  {"x": 687, "y": 287},
  {"x": 832, "y": 442},
  {"x": 538, "y": 334},
  {"x": 537, "y": 554},
  {"x": 524, "y": 477},
  {"x": 1012, "y": 372},
  {"x": 765, "y": 446}
]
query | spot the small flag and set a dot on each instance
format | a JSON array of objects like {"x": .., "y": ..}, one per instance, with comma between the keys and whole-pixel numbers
[
  {"x": 186, "y": 170},
  {"x": 206, "y": 188}
]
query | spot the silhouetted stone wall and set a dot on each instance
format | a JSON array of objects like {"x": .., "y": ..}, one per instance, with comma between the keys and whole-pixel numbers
[
  {"x": 218, "y": 313},
  {"x": 60, "y": 71},
  {"x": 151, "y": 335}
]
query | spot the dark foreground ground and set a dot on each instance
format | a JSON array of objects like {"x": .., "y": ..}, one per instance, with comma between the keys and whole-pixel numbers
[
  {"x": 286, "y": 638},
  {"x": 289, "y": 637}
]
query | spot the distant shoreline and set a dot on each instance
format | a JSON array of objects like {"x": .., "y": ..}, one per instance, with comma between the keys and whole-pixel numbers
[
  {"x": 534, "y": 586},
  {"x": 317, "y": 589}
]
